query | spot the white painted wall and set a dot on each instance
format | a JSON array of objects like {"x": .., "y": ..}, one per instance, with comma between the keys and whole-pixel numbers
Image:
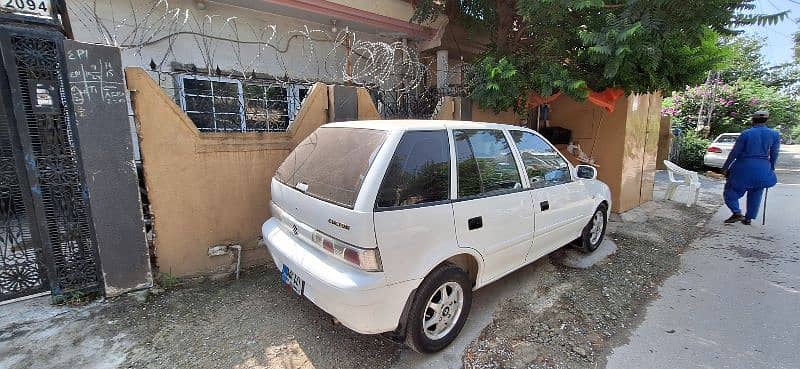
[{"x": 303, "y": 60}]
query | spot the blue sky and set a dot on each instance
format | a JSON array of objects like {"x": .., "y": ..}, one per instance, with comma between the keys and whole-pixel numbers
[{"x": 778, "y": 49}]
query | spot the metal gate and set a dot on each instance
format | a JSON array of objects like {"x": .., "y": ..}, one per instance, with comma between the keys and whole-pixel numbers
[{"x": 46, "y": 236}]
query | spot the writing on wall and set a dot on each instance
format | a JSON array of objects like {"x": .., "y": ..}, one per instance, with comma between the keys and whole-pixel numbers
[{"x": 95, "y": 79}]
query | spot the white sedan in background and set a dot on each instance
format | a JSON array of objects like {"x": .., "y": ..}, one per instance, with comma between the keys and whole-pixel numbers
[{"x": 718, "y": 151}]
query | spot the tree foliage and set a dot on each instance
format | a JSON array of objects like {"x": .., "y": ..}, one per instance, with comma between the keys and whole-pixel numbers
[
  {"x": 747, "y": 63},
  {"x": 569, "y": 45},
  {"x": 733, "y": 105}
]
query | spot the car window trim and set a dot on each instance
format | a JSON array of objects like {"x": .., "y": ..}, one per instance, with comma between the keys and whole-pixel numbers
[
  {"x": 523, "y": 174},
  {"x": 492, "y": 194},
  {"x": 414, "y": 206},
  {"x": 454, "y": 160}
]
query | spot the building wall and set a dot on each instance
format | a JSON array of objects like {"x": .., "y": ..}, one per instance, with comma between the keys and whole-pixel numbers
[
  {"x": 299, "y": 59},
  {"x": 623, "y": 143},
  {"x": 402, "y": 10},
  {"x": 641, "y": 147},
  {"x": 664, "y": 142},
  {"x": 505, "y": 117},
  {"x": 209, "y": 189},
  {"x": 600, "y": 135},
  {"x": 451, "y": 109}
]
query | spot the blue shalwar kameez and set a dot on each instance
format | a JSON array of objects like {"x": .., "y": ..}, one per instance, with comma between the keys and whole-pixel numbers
[{"x": 751, "y": 168}]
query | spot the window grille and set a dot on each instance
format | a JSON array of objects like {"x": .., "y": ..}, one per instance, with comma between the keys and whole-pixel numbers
[{"x": 219, "y": 104}]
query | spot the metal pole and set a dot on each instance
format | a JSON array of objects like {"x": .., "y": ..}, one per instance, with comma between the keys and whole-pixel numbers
[
  {"x": 65, "y": 23},
  {"x": 764, "y": 212}
]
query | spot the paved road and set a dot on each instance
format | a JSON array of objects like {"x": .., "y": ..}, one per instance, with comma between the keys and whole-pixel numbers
[{"x": 736, "y": 301}]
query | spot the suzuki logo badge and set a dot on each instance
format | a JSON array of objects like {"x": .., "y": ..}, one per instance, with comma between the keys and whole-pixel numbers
[{"x": 294, "y": 229}]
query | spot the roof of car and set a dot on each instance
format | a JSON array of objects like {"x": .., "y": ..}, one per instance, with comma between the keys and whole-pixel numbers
[{"x": 414, "y": 124}]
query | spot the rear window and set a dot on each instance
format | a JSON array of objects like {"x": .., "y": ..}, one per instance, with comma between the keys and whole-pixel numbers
[
  {"x": 332, "y": 162},
  {"x": 727, "y": 138}
]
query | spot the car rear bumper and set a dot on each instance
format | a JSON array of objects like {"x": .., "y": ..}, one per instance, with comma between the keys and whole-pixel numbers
[
  {"x": 360, "y": 300},
  {"x": 714, "y": 160}
]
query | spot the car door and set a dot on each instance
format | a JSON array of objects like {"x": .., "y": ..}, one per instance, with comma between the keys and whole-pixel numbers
[
  {"x": 561, "y": 205},
  {"x": 413, "y": 215},
  {"x": 493, "y": 213}
]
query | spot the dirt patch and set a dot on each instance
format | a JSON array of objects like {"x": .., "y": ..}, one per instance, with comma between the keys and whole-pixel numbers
[
  {"x": 252, "y": 323},
  {"x": 600, "y": 305}
]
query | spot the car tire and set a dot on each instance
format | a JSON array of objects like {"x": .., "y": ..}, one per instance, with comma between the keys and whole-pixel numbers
[
  {"x": 590, "y": 239},
  {"x": 449, "y": 287}
]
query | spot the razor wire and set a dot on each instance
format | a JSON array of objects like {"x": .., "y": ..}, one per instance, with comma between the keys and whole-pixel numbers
[{"x": 143, "y": 27}]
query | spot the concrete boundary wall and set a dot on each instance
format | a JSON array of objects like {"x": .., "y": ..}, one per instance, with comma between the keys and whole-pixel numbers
[
  {"x": 459, "y": 108},
  {"x": 212, "y": 189},
  {"x": 209, "y": 189}
]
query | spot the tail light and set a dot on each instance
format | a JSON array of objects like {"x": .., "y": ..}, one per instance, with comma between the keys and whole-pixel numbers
[
  {"x": 366, "y": 259},
  {"x": 714, "y": 149}
]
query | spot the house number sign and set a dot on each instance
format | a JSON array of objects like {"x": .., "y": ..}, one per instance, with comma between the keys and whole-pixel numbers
[{"x": 36, "y": 8}]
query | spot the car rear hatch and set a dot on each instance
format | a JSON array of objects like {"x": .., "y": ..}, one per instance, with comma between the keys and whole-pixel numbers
[{"x": 316, "y": 187}]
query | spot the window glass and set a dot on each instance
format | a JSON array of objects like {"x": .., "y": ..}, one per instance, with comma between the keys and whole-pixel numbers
[
  {"x": 419, "y": 171},
  {"x": 217, "y": 104},
  {"x": 727, "y": 138},
  {"x": 545, "y": 167},
  {"x": 485, "y": 163},
  {"x": 266, "y": 107},
  {"x": 212, "y": 104},
  {"x": 332, "y": 162}
]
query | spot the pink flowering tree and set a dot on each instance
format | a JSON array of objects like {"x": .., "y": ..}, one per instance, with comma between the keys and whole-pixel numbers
[{"x": 727, "y": 107}]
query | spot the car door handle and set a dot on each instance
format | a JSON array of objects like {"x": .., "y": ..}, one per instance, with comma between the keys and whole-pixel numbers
[
  {"x": 475, "y": 223},
  {"x": 544, "y": 205}
]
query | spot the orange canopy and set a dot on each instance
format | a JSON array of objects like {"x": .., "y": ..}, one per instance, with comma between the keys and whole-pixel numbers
[{"x": 606, "y": 99}]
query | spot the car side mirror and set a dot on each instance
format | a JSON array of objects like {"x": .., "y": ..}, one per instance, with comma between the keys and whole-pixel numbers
[{"x": 586, "y": 171}]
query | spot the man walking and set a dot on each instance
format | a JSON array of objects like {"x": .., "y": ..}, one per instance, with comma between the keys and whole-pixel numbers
[{"x": 750, "y": 168}]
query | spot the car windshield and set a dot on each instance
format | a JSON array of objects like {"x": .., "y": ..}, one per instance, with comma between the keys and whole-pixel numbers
[
  {"x": 727, "y": 139},
  {"x": 332, "y": 163}
]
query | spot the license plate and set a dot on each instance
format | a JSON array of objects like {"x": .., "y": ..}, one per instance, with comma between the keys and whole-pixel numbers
[
  {"x": 38, "y": 8},
  {"x": 294, "y": 281}
]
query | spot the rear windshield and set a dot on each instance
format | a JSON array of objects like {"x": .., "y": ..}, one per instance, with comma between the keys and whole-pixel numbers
[
  {"x": 332, "y": 162},
  {"x": 727, "y": 138}
]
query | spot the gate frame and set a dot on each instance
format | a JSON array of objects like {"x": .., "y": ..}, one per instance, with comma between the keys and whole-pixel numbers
[
  {"x": 50, "y": 31},
  {"x": 23, "y": 182}
]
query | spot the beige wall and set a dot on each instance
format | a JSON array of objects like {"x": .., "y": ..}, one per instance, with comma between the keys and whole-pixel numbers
[
  {"x": 623, "y": 143},
  {"x": 664, "y": 142},
  {"x": 450, "y": 109},
  {"x": 505, "y": 117},
  {"x": 212, "y": 188},
  {"x": 397, "y": 9},
  {"x": 297, "y": 63}
]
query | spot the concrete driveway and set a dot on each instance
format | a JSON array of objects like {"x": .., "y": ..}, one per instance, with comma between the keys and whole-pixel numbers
[{"x": 736, "y": 301}]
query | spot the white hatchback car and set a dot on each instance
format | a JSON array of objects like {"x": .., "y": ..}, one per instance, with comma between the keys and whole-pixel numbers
[
  {"x": 390, "y": 225},
  {"x": 718, "y": 151}
]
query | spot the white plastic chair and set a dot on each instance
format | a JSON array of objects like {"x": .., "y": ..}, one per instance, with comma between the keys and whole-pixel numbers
[{"x": 690, "y": 179}]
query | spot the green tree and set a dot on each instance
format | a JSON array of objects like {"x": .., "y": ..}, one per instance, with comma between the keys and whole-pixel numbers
[
  {"x": 733, "y": 105},
  {"x": 569, "y": 45},
  {"x": 745, "y": 59}
]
